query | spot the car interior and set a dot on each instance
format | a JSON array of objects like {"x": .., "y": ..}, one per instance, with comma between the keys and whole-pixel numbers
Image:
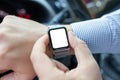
[{"x": 50, "y": 12}]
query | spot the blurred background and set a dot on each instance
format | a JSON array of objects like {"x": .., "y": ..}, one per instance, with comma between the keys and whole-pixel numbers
[{"x": 51, "y": 12}]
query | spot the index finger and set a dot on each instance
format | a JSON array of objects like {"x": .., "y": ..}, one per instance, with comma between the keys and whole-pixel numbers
[{"x": 39, "y": 59}]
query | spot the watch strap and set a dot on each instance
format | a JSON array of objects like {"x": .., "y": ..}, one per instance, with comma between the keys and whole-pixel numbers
[{"x": 61, "y": 53}]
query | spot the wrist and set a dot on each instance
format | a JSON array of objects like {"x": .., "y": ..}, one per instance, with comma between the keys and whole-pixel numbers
[
  {"x": 36, "y": 32},
  {"x": 41, "y": 30},
  {"x": 67, "y": 26}
]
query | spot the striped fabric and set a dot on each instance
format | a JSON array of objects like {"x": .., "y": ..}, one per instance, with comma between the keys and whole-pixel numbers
[{"x": 102, "y": 35}]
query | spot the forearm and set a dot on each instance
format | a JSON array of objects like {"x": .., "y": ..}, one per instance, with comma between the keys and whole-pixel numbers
[
  {"x": 95, "y": 33},
  {"x": 102, "y": 35}
]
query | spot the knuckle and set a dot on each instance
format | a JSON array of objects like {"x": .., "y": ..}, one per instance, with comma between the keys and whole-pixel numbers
[
  {"x": 4, "y": 28},
  {"x": 3, "y": 32},
  {"x": 3, "y": 52},
  {"x": 4, "y": 47},
  {"x": 8, "y": 19}
]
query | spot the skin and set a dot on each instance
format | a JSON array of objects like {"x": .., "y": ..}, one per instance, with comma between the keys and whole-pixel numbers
[
  {"x": 17, "y": 37},
  {"x": 87, "y": 68}
]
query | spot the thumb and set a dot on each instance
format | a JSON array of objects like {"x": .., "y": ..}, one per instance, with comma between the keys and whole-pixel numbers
[{"x": 81, "y": 50}]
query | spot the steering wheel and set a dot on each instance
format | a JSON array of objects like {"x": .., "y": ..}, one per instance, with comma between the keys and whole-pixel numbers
[{"x": 31, "y": 9}]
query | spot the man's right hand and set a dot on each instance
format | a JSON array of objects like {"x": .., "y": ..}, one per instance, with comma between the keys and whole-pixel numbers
[{"x": 87, "y": 68}]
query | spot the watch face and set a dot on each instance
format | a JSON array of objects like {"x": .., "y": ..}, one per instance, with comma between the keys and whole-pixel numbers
[{"x": 58, "y": 38}]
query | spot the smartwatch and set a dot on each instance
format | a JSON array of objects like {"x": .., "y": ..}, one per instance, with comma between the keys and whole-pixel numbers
[{"x": 59, "y": 42}]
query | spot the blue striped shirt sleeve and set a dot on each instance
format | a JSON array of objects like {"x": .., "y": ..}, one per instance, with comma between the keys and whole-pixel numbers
[{"x": 102, "y": 35}]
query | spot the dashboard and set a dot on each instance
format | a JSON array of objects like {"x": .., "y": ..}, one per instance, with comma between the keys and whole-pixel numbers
[
  {"x": 44, "y": 11},
  {"x": 38, "y": 10},
  {"x": 54, "y": 12}
]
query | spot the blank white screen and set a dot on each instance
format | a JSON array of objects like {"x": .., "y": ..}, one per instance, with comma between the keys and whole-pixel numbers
[{"x": 59, "y": 38}]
